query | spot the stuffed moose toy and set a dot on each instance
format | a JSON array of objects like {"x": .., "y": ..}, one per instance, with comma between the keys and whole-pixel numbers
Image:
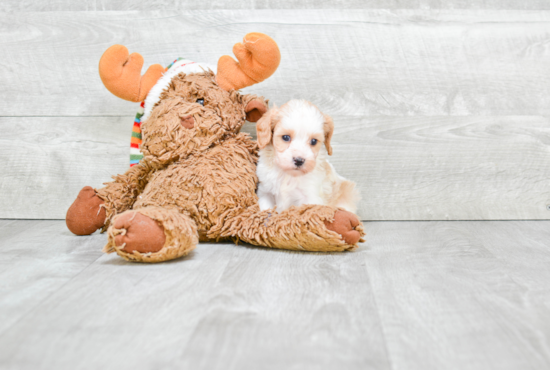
[{"x": 197, "y": 178}]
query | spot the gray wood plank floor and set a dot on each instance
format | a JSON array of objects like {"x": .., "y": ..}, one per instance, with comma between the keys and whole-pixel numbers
[{"x": 416, "y": 295}]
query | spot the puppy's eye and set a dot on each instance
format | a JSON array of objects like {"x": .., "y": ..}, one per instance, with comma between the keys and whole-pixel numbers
[
  {"x": 313, "y": 141},
  {"x": 286, "y": 137},
  {"x": 200, "y": 101}
]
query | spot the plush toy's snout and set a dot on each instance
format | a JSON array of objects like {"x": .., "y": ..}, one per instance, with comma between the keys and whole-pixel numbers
[{"x": 188, "y": 122}]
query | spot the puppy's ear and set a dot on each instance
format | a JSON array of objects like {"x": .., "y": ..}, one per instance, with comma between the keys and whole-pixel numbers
[
  {"x": 328, "y": 127},
  {"x": 265, "y": 126}
]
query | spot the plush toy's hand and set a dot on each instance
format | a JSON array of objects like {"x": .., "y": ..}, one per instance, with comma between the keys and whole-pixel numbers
[
  {"x": 344, "y": 224},
  {"x": 86, "y": 214},
  {"x": 139, "y": 233}
]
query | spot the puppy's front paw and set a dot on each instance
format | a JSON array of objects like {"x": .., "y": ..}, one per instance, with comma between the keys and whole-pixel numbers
[{"x": 346, "y": 224}]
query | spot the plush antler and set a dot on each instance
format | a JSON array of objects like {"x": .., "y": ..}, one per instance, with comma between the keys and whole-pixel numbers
[
  {"x": 121, "y": 74},
  {"x": 258, "y": 57}
]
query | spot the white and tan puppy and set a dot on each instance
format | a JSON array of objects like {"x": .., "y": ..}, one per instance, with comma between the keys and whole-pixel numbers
[{"x": 293, "y": 169}]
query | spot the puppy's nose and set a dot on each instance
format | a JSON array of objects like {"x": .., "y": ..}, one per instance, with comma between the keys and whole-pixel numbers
[
  {"x": 188, "y": 121},
  {"x": 299, "y": 161}
]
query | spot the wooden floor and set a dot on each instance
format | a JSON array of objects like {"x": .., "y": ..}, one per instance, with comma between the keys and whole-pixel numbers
[{"x": 417, "y": 295}]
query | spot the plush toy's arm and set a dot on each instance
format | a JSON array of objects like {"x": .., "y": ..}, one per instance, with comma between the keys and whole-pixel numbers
[
  {"x": 309, "y": 227},
  {"x": 94, "y": 209},
  {"x": 121, "y": 194}
]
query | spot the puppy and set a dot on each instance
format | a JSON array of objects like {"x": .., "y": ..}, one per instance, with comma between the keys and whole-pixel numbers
[{"x": 293, "y": 169}]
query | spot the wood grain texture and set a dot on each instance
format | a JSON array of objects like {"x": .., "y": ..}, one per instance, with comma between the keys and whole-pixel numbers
[
  {"x": 407, "y": 168},
  {"x": 347, "y": 61},
  {"x": 105, "y": 5},
  {"x": 46, "y": 161},
  {"x": 447, "y": 168},
  {"x": 458, "y": 295},
  {"x": 37, "y": 259},
  {"x": 416, "y": 295},
  {"x": 531, "y": 273},
  {"x": 223, "y": 307},
  {"x": 441, "y": 114}
]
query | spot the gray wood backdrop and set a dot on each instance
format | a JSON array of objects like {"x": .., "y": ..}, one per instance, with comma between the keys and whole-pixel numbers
[{"x": 441, "y": 107}]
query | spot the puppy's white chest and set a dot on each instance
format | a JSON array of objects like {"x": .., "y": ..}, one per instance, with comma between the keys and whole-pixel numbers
[{"x": 297, "y": 191}]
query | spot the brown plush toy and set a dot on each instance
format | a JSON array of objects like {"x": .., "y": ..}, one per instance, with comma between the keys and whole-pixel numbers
[{"x": 197, "y": 179}]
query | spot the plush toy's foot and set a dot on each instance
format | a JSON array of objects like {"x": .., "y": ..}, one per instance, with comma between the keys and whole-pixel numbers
[
  {"x": 346, "y": 224},
  {"x": 87, "y": 213},
  {"x": 140, "y": 233},
  {"x": 151, "y": 234}
]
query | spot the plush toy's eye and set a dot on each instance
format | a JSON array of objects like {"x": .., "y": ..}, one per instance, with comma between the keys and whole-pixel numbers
[
  {"x": 200, "y": 101},
  {"x": 286, "y": 137},
  {"x": 313, "y": 141}
]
